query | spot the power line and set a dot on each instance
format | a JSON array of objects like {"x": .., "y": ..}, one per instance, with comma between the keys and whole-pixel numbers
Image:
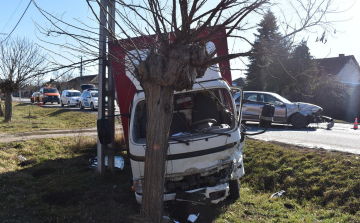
[
  {"x": 17, "y": 22},
  {"x": 11, "y": 16}
]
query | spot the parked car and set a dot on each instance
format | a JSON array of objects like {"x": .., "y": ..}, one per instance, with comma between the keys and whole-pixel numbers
[
  {"x": 298, "y": 114},
  {"x": 34, "y": 97},
  {"x": 70, "y": 98},
  {"x": 88, "y": 87},
  {"x": 89, "y": 99},
  {"x": 49, "y": 94}
]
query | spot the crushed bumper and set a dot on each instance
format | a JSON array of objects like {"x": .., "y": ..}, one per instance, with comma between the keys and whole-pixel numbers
[{"x": 206, "y": 195}]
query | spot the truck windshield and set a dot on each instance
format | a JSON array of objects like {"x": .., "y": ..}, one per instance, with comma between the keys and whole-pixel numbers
[{"x": 199, "y": 112}]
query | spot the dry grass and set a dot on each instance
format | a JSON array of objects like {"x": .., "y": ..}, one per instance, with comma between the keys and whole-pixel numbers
[
  {"x": 28, "y": 117},
  {"x": 55, "y": 185}
]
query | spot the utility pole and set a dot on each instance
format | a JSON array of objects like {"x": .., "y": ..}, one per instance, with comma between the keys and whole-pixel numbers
[
  {"x": 81, "y": 75},
  {"x": 103, "y": 63}
]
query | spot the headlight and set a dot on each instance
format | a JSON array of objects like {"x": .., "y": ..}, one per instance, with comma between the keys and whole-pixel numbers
[{"x": 96, "y": 102}]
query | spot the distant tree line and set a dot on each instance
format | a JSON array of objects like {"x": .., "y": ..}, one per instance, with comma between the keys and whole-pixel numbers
[{"x": 291, "y": 71}]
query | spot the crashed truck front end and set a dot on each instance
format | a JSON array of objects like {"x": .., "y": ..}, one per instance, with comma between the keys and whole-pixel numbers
[{"x": 205, "y": 145}]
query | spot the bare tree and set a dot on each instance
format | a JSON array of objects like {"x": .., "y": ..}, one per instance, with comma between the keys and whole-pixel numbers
[
  {"x": 170, "y": 54},
  {"x": 20, "y": 62}
]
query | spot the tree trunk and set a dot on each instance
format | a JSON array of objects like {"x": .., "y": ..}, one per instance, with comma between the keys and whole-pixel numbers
[
  {"x": 159, "y": 104},
  {"x": 1, "y": 111},
  {"x": 8, "y": 107}
]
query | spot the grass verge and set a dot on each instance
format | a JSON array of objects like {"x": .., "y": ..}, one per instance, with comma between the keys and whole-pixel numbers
[
  {"x": 28, "y": 117},
  {"x": 55, "y": 185}
]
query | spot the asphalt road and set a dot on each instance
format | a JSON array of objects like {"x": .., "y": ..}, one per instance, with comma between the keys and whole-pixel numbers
[{"x": 342, "y": 137}]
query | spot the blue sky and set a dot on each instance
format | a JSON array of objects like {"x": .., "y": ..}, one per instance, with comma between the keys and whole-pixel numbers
[{"x": 345, "y": 41}]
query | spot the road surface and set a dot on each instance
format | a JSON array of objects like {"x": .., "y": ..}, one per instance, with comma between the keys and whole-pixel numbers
[{"x": 342, "y": 137}]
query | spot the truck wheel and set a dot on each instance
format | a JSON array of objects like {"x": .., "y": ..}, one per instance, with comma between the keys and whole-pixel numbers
[
  {"x": 298, "y": 121},
  {"x": 92, "y": 107},
  {"x": 234, "y": 189},
  {"x": 61, "y": 103}
]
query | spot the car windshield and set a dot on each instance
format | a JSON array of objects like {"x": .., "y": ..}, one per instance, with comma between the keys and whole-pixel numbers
[
  {"x": 282, "y": 99},
  {"x": 74, "y": 94},
  {"x": 50, "y": 90}
]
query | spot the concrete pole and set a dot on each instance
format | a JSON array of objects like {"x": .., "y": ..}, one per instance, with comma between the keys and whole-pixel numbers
[
  {"x": 111, "y": 91},
  {"x": 102, "y": 90}
]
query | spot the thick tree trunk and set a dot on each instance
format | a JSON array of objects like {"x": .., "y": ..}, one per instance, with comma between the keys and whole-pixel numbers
[
  {"x": 8, "y": 107},
  {"x": 1, "y": 111},
  {"x": 159, "y": 104}
]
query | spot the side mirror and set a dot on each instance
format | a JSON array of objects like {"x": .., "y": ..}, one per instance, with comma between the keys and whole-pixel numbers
[
  {"x": 104, "y": 131},
  {"x": 267, "y": 115}
]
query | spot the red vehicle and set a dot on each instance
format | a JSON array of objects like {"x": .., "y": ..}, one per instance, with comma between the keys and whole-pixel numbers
[{"x": 49, "y": 94}]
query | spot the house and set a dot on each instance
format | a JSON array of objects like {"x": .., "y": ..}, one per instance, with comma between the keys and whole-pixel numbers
[
  {"x": 73, "y": 83},
  {"x": 344, "y": 68},
  {"x": 240, "y": 82}
]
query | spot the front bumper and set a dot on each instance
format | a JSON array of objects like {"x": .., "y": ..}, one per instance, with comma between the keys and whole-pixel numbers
[
  {"x": 205, "y": 195},
  {"x": 73, "y": 103},
  {"x": 51, "y": 99}
]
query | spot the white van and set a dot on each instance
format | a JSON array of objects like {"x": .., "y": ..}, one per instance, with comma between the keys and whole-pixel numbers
[{"x": 70, "y": 98}]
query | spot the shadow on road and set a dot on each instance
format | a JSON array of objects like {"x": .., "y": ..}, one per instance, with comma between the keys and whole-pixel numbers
[{"x": 278, "y": 128}]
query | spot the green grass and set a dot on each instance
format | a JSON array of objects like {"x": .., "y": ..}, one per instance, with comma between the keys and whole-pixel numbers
[
  {"x": 27, "y": 117},
  {"x": 55, "y": 185}
]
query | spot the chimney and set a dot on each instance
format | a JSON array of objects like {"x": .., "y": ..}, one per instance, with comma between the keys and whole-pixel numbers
[{"x": 341, "y": 55}]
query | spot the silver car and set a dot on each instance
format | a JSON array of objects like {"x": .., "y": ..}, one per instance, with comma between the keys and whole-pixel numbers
[{"x": 298, "y": 114}]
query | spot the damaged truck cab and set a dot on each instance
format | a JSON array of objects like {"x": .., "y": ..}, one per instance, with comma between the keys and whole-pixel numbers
[{"x": 204, "y": 161}]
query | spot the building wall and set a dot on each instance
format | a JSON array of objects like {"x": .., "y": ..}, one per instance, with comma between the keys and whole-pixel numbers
[{"x": 349, "y": 74}]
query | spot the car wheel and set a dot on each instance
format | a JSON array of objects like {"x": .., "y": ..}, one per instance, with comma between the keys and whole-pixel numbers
[
  {"x": 234, "y": 189},
  {"x": 81, "y": 106},
  {"x": 298, "y": 121},
  {"x": 61, "y": 103},
  {"x": 92, "y": 107}
]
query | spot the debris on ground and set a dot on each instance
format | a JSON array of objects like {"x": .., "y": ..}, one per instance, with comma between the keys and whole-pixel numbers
[
  {"x": 193, "y": 217},
  {"x": 119, "y": 162},
  {"x": 278, "y": 194}
]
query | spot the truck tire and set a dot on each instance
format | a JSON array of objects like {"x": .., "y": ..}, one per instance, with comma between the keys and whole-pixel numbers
[
  {"x": 234, "y": 189},
  {"x": 298, "y": 121}
]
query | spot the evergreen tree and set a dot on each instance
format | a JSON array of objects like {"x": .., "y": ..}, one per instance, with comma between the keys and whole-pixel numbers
[{"x": 268, "y": 48}]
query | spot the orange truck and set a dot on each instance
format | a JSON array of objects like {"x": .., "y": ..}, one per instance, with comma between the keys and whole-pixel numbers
[{"x": 49, "y": 94}]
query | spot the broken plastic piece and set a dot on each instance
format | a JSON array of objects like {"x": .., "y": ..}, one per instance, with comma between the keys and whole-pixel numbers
[
  {"x": 182, "y": 134},
  {"x": 119, "y": 162},
  {"x": 21, "y": 158},
  {"x": 278, "y": 194},
  {"x": 193, "y": 217}
]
